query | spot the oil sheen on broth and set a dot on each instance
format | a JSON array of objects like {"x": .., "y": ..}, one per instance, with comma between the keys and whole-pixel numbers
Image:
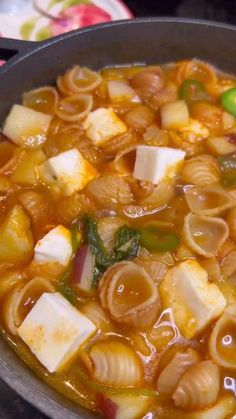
[{"x": 118, "y": 239}]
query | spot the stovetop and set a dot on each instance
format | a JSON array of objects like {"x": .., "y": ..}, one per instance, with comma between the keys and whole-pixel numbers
[{"x": 11, "y": 405}]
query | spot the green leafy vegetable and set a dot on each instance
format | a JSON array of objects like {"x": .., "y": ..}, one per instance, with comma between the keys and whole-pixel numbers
[
  {"x": 191, "y": 90},
  {"x": 228, "y": 101},
  {"x": 154, "y": 239},
  {"x": 126, "y": 246},
  {"x": 228, "y": 170}
]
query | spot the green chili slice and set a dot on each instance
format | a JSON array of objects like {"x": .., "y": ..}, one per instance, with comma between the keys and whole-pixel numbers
[
  {"x": 228, "y": 101},
  {"x": 154, "y": 239},
  {"x": 191, "y": 90}
]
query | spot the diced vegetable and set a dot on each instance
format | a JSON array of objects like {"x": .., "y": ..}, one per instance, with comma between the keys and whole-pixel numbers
[
  {"x": 228, "y": 168},
  {"x": 26, "y": 127},
  {"x": 228, "y": 101},
  {"x": 154, "y": 239},
  {"x": 25, "y": 173},
  {"x": 83, "y": 269},
  {"x": 120, "y": 90},
  {"x": 191, "y": 90},
  {"x": 220, "y": 145},
  {"x": 16, "y": 240},
  {"x": 174, "y": 115}
]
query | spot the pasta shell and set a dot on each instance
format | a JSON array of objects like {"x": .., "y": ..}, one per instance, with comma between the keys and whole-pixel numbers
[
  {"x": 164, "y": 333},
  {"x": 139, "y": 118},
  {"x": 201, "y": 170},
  {"x": 120, "y": 143},
  {"x": 82, "y": 79},
  {"x": 107, "y": 228},
  {"x": 155, "y": 136},
  {"x": 130, "y": 295},
  {"x": 148, "y": 82},
  {"x": 172, "y": 373},
  {"x": 197, "y": 70},
  {"x": 161, "y": 196},
  {"x": 125, "y": 160},
  {"x": 204, "y": 235},
  {"x": 169, "y": 93},
  {"x": 116, "y": 364},
  {"x": 228, "y": 265},
  {"x": 62, "y": 85},
  {"x": 155, "y": 268},
  {"x": 74, "y": 108},
  {"x": 211, "y": 200},
  {"x": 199, "y": 386},
  {"x": 94, "y": 311},
  {"x": 213, "y": 268},
  {"x": 45, "y": 99},
  {"x": 109, "y": 191},
  {"x": 8, "y": 306},
  {"x": 231, "y": 221},
  {"x": 27, "y": 297},
  {"x": 222, "y": 339},
  {"x": 9, "y": 280},
  {"x": 183, "y": 252}
]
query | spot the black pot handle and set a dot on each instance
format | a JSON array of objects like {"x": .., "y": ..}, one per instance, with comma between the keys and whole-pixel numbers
[{"x": 11, "y": 47}]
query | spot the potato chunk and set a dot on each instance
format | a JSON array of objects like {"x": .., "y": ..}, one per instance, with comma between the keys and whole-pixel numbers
[
  {"x": 16, "y": 240},
  {"x": 26, "y": 127}
]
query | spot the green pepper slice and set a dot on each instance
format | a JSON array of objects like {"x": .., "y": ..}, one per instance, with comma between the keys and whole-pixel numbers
[
  {"x": 191, "y": 90},
  {"x": 228, "y": 170},
  {"x": 154, "y": 239},
  {"x": 228, "y": 101}
]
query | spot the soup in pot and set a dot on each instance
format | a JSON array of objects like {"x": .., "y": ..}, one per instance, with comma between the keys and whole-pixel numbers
[{"x": 118, "y": 239}]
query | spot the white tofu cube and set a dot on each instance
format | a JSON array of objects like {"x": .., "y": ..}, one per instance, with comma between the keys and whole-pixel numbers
[
  {"x": 155, "y": 164},
  {"x": 195, "y": 301},
  {"x": 54, "y": 330},
  {"x": 103, "y": 124},
  {"x": 174, "y": 115},
  {"x": 55, "y": 246},
  {"x": 69, "y": 170},
  {"x": 26, "y": 127}
]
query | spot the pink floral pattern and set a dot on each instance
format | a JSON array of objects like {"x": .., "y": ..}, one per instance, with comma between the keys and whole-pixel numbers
[{"x": 77, "y": 17}]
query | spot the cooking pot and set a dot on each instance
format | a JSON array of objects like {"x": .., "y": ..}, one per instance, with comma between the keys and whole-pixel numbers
[{"x": 32, "y": 64}]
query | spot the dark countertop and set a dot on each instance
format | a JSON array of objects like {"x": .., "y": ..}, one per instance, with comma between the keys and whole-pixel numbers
[{"x": 11, "y": 405}]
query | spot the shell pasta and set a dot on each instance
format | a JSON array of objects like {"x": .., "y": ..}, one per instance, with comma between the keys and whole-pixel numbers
[{"x": 118, "y": 238}]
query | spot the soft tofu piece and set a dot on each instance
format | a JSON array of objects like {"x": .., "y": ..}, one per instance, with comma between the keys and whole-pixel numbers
[
  {"x": 103, "y": 124},
  {"x": 26, "y": 127},
  {"x": 54, "y": 330},
  {"x": 155, "y": 164},
  {"x": 55, "y": 246},
  {"x": 174, "y": 115},
  {"x": 195, "y": 301},
  {"x": 69, "y": 170}
]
